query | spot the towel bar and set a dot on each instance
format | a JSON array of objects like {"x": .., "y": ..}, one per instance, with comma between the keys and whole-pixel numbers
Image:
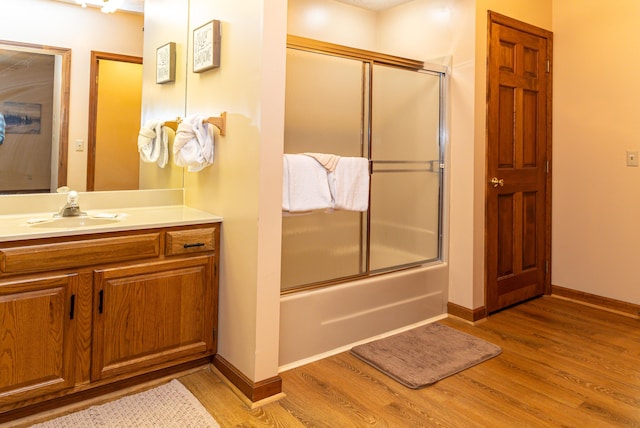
[{"x": 219, "y": 122}]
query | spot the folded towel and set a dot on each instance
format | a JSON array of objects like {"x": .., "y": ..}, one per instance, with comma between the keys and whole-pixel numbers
[
  {"x": 349, "y": 184},
  {"x": 153, "y": 144},
  {"x": 304, "y": 186},
  {"x": 326, "y": 160},
  {"x": 193, "y": 145}
]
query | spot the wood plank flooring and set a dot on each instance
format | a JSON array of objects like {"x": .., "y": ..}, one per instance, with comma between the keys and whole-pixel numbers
[{"x": 563, "y": 365}]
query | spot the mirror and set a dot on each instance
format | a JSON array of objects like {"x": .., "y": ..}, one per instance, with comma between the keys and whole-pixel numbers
[
  {"x": 35, "y": 111},
  {"x": 165, "y": 21},
  {"x": 68, "y": 116}
]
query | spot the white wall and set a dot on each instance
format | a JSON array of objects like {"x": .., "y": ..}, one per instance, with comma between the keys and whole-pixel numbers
[
  {"x": 82, "y": 30},
  {"x": 164, "y": 21},
  {"x": 333, "y": 22},
  {"x": 596, "y": 203},
  {"x": 244, "y": 184}
]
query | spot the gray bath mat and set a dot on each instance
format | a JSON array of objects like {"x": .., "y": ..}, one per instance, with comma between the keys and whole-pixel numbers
[{"x": 426, "y": 354}]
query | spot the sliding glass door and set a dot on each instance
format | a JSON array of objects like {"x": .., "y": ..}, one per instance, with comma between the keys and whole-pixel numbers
[
  {"x": 390, "y": 115},
  {"x": 406, "y": 173},
  {"x": 325, "y": 110}
]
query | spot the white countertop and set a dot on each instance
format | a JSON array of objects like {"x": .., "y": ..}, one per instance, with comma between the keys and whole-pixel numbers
[{"x": 15, "y": 227}]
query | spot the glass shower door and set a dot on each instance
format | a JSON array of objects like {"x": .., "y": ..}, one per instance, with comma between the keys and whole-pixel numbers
[
  {"x": 406, "y": 178},
  {"x": 325, "y": 109},
  {"x": 393, "y": 117}
]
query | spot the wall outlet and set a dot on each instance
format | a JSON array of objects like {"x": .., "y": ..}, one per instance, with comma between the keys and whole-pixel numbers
[{"x": 632, "y": 158}]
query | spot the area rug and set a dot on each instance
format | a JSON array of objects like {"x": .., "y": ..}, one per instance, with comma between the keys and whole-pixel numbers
[
  {"x": 424, "y": 355},
  {"x": 169, "y": 405}
]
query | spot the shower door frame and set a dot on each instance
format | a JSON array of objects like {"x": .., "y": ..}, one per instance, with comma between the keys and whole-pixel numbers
[
  {"x": 376, "y": 58},
  {"x": 440, "y": 72}
]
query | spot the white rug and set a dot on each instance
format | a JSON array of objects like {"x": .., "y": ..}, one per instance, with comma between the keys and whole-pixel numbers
[{"x": 169, "y": 405}]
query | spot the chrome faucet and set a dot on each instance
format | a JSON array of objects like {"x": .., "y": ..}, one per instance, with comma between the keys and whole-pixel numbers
[{"x": 71, "y": 208}]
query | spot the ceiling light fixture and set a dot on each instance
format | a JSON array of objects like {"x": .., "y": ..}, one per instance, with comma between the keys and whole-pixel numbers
[{"x": 110, "y": 6}]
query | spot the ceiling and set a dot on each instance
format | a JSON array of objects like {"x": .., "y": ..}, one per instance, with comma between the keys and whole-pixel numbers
[
  {"x": 137, "y": 6},
  {"x": 374, "y": 4}
]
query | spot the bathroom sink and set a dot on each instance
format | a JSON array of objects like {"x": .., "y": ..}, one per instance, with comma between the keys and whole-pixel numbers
[{"x": 72, "y": 222}]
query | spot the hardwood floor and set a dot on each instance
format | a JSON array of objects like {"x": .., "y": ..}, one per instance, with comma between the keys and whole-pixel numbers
[{"x": 563, "y": 365}]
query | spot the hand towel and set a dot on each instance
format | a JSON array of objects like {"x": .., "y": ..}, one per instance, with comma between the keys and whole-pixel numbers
[
  {"x": 162, "y": 138},
  {"x": 349, "y": 184},
  {"x": 304, "y": 186},
  {"x": 193, "y": 145},
  {"x": 327, "y": 160},
  {"x": 147, "y": 147}
]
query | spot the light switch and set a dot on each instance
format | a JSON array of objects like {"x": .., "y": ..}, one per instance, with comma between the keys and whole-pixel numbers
[
  {"x": 632, "y": 158},
  {"x": 80, "y": 145}
]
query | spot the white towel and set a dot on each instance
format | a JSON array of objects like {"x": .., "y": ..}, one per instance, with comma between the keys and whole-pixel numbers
[
  {"x": 326, "y": 160},
  {"x": 304, "y": 186},
  {"x": 193, "y": 145},
  {"x": 349, "y": 184},
  {"x": 153, "y": 143}
]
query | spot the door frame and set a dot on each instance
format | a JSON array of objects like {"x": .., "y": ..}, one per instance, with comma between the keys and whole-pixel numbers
[
  {"x": 493, "y": 17},
  {"x": 93, "y": 107}
]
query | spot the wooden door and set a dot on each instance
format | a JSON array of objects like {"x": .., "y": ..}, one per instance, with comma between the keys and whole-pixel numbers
[
  {"x": 150, "y": 314},
  {"x": 37, "y": 336},
  {"x": 518, "y": 191}
]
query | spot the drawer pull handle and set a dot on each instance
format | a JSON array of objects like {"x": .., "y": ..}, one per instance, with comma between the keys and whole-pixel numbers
[
  {"x": 197, "y": 244},
  {"x": 73, "y": 306},
  {"x": 100, "y": 301}
]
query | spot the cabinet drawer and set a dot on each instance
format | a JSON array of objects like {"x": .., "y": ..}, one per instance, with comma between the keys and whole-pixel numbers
[
  {"x": 190, "y": 241},
  {"x": 73, "y": 254}
]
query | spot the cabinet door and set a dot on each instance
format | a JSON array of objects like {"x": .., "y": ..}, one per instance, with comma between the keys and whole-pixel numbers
[
  {"x": 37, "y": 336},
  {"x": 153, "y": 314}
]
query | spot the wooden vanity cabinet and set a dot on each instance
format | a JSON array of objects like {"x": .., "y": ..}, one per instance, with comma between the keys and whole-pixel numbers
[
  {"x": 147, "y": 315},
  {"x": 81, "y": 313},
  {"x": 37, "y": 336}
]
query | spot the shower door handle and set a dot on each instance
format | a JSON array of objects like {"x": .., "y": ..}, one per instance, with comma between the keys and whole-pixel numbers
[{"x": 495, "y": 181}]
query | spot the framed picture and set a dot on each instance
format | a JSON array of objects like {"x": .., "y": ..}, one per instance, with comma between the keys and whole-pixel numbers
[
  {"x": 206, "y": 47},
  {"x": 22, "y": 118},
  {"x": 166, "y": 63}
]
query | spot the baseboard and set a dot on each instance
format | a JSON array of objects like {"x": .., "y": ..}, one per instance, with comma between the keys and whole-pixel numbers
[
  {"x": 606, "y": 303},
  {"x": 253, "y": 391},
  {"x": 471, "y": 315}
]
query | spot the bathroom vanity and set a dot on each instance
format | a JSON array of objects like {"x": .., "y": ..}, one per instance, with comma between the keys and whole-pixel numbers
[{"x": 91, "y": 309}]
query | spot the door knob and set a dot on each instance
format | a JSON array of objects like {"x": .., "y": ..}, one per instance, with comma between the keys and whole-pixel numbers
[{"x": 497, "y": 182}]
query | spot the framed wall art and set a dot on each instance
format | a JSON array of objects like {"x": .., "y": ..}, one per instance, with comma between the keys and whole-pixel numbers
[
  {"x": 22, "y": 118},
  {"x": 166, "y": 63},
  {"x": 206, "y": 47}
]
